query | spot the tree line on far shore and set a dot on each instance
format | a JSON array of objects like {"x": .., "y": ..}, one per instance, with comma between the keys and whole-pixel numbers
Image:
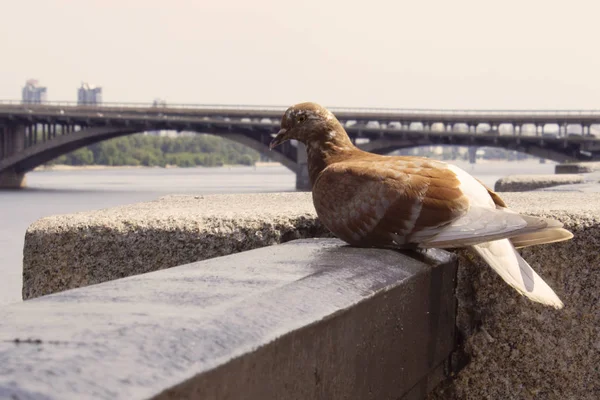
[{"x": 145, "y": 150}]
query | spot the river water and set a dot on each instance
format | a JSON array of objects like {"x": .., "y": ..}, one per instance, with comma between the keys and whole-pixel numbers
[{"x": 62, "y": 192}]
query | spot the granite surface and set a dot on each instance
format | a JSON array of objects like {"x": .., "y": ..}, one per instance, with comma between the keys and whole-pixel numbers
[
  {"x": 309, "y": 319},
  {"x": 577, "y": 167},
  {"x": 516, "y": 349},
  {"x": 524, "y": 183},
  {"x": 68, "y": 251}
]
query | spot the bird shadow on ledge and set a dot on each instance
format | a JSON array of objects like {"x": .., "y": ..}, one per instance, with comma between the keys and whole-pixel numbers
[{"x": 432, "y": 257}]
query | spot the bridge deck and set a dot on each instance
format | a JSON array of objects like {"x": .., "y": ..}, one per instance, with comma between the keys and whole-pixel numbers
[
  {"x": 33, "y": 134},
  {"x": 359, "y": 114}
]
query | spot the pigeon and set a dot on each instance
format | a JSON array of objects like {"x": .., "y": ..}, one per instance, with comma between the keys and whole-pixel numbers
[{"x": 407, "y": 202}]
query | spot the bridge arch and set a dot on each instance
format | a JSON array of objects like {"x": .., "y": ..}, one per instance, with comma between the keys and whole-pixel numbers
[
  {"x": 41, "y": 153},
  {"x": 262, "y": 148},
  {"x": 386, "y": 146}
]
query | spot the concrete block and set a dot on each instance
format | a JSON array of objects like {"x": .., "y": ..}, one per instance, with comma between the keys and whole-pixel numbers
[
  {"x": 309, "y": 319},
  {"x": 524, "y": 183},
  {"x": 577, "y": 167},
  {"x": 68, "y": 251},
  {"x": 516, "y": 349}
]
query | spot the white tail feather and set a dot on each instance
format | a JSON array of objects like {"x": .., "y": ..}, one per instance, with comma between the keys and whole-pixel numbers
[{"x": 504, "y": 259}]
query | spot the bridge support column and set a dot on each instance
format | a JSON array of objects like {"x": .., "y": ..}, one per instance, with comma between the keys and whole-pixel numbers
[
  {"x": 12, "y": 180},
  {"x": 12, "y": 141},
  {"x": 472, "y": 154},
  {"x": 302, "y": 178},
  {"x": 585, "y": 130}
]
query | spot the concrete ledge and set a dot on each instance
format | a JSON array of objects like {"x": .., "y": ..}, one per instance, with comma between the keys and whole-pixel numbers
[
  {"x": 307, "y": 319},
  {"x": 514, "y": 348},
  {"x": 524, "y": 183},
  {"x": 577, "y": 168},
  {"x": 68, "y": 251}
]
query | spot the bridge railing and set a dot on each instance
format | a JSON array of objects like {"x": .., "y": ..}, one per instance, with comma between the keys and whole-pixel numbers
[{"x": 271, "y": 108}]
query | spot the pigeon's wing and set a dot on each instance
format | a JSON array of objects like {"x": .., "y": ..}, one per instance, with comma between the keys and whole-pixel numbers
[
  {"x": 552, "y": 234},
  {"x": 498, "y": 201},
  {"x": 486, "y": 219},
  {"x": 404, "y": 202},
  {"x": 378, "y": 203}
]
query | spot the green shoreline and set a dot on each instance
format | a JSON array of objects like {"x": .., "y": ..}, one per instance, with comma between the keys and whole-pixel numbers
[{"x": 65, "y": 167}]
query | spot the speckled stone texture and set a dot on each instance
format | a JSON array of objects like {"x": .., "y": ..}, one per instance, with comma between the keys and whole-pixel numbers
[
  {"x": 524, "y": 183},
  {"x": 517, "y": 349},
  {"x": 69, "y": 251},
  {"x": 577, "y": 167},
  {"x": 308, "y": 319}
]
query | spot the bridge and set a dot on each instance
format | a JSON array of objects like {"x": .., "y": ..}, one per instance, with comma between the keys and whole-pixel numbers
[{"x": 33, "y": 134}]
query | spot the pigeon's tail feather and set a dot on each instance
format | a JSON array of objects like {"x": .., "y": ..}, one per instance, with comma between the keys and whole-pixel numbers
[
  {"x": 545, "y": 236},
  {"x": 514, "y": 270}
]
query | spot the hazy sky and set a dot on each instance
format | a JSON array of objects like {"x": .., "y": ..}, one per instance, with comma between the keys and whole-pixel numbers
[{"x": 416, "y": 54}]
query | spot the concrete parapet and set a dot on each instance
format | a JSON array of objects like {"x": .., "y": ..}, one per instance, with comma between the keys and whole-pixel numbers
[
  {"x": 310, "y": 319},
  {"x": 515, "y": 349},
  {"x": 524, "y": 183},
  {"x": 68, "y": 251},
  {"x": 577, "y": 167}
]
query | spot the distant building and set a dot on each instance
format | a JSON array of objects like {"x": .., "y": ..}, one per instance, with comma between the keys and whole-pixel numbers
[
  {"x": 33, "y": 93},
  {"x": 159, "y": 103},
  {"x": 89, "y": 94}
]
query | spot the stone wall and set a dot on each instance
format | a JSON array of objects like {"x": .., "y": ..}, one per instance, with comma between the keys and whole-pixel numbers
[
  {"x": 308, "y": 319},
  {"x": 516, "y": 349},
  {"x": 524, "y": 183},
  {"x": 68, "y": 251},
  {"x": 577, "y": 167},
  {"x": 512, "y": 348}
]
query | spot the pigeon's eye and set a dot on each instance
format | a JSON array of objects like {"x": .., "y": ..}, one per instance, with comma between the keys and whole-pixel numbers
[{"x": 301, "y": 118}]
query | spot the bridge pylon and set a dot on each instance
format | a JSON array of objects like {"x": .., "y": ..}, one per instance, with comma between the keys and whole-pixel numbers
[
  {"x": 472, "y": 155},
  {"x": 12, "y": 180},
  {"x": 12, "y": 141},
  {"x": 302, "y": 177}
]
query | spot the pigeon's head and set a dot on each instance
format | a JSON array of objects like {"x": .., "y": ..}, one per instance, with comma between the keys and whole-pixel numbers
[{"x": 305, "y": 122}]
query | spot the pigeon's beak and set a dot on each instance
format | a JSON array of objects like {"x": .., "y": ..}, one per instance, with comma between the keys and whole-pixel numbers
[{"x": 281, "y": 137}]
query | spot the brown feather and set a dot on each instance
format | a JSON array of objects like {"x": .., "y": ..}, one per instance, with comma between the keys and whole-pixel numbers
[
  {"x": 495, "y": 196},
  {"x": 394, "y": 201}
]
